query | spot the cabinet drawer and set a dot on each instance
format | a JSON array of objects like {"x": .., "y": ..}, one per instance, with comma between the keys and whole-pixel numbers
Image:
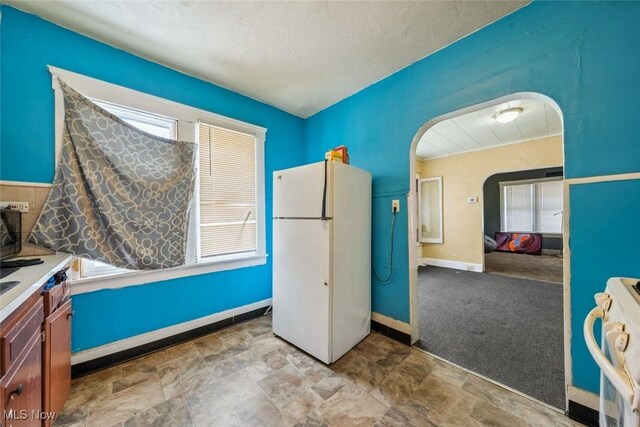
[
  {"x": 14, "y": 340},
  {"x": 54, "y": 297}
]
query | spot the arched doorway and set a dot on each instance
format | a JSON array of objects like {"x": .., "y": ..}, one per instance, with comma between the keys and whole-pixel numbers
[{"x": 443, "y": 255}]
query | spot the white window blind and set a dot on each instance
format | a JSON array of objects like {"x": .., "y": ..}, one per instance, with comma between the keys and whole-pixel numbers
[
  {"x": 227, "y": 191},
  {"x": 548, "y": 212},
  {"x": 532, "y": 207},
  {"x": 517, "y": 208}
]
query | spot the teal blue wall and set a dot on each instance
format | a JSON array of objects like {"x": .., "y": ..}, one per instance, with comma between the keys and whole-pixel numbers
[
  {"x": 585, "y": 56},
  {"x": 28, "y": 45},
  {"x": 605, "y": 223}
]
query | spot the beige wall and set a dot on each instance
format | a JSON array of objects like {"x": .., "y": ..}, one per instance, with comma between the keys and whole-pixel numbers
[
  {"x": 463, "y": 176},
  {"x": 36, "y": 196}
]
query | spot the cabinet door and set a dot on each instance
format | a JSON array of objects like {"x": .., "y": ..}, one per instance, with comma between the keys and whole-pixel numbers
[
  {"x": 21, "y": 388},
  {"x": 57, "y": 358}
]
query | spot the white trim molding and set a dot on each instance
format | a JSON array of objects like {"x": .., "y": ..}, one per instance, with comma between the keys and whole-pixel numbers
[
  {"x": 583, "y": 397},
  {"x": 554, "y": 252},
  {"x": 98, "y": 89},
  {"x": 604, "y": 178},
  {"x": 158, "y": 334},
  {"x": 398, "y": 325},
  {"x": 457, "y": 265},
  {"x": 566, "y": 290},
  {"x": 143, "y": 277}
]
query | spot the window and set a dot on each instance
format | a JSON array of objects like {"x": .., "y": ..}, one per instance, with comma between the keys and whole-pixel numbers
[
  {"x": 164, "y": 127},
  {"x": 227, "y": 222},
  {"x": 227, "y": 193},
  {"x": 531, "y": 206}
]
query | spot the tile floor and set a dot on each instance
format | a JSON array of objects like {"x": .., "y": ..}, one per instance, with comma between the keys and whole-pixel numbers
[{"x": 244, "y": 376}]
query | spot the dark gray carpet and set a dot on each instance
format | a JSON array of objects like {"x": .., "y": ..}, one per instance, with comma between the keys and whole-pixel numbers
[{"x": 506, "y": 328}]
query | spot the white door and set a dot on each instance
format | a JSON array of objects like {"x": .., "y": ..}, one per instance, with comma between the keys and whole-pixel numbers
[
  {"x": 301, "y": 284},
  {"x": 298, "y": 192}
]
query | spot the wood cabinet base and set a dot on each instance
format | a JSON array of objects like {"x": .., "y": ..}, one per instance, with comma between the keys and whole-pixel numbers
[{"x": 57, "y": 359}]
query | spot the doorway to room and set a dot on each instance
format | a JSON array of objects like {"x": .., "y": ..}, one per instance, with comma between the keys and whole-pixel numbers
[
  {"x": 488, "y": 227},
  {"x": 528, "y": 203}
]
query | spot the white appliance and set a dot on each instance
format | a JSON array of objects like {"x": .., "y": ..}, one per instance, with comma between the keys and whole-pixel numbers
[
  {"x": 322, "y": 257},
  {"x": 619, "y": 353}
]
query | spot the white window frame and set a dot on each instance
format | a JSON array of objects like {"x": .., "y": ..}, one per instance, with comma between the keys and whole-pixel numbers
[
  {"x": 533, "y": 203},
  {"x": 260, "y": 212},
  {"x": 187, "y": 118}
]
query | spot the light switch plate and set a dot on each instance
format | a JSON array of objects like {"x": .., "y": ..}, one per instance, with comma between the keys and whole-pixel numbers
[{"x": 472, "y": 200}]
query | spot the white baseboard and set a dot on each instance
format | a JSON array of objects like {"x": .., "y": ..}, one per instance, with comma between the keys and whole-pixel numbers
[
  {"x": 552, "y": 252},
  {"x": 391, "y": 322},
  {"x": 458, "y": 265},
  {"x": 583, "y": 397},
  {"x": 135, "y": 341}
]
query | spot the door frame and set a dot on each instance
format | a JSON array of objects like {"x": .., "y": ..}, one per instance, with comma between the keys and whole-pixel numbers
[{"x": 412, "y": 204}]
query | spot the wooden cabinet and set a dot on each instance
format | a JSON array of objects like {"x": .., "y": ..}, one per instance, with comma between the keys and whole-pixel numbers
[
  {"x": 21, "y": 386},
  {"x": 35, "y": 359},
  {"x": 57, "y": 359}
]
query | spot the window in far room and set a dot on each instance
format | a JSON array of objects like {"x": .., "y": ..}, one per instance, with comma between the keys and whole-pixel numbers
[{"x": 531, "y": 206}]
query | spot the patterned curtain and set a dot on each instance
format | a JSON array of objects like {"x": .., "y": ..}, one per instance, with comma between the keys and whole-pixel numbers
[{"x": 120, "y": 195}]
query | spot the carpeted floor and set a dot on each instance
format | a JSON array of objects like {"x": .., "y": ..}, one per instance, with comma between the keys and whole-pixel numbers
[
  {"x": 536, "y": 267},
  {"x": 505, "y": 328}
]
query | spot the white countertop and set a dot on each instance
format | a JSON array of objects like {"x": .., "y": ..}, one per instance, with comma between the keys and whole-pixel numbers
[{"x": 31, "y": 279}]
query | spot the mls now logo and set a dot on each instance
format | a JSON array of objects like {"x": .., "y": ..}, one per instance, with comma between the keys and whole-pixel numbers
[
  {"x": 24, "y": 414},
  {"x": 16, "y": 415}
]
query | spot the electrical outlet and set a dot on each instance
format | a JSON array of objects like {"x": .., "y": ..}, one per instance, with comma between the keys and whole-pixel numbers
[
  {"x": 16, "y": 206},
  {"x": 395, "y": 206}
]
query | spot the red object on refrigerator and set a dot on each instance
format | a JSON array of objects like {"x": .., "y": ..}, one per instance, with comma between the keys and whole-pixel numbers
[{"x": 345, "y": 155}]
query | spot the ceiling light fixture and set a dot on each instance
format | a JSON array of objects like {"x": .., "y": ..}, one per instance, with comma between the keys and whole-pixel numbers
[{"x": 506, "y": 116}]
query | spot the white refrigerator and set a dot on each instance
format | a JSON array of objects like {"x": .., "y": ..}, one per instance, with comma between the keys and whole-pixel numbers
[{"x": 322, "y": 257}]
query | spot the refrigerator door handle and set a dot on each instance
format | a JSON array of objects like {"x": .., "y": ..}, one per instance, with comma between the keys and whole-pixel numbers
[{"x": 324, "y": 192}]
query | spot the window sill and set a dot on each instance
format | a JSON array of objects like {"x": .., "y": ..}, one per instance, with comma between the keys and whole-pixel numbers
[
  {"x": 552, "y": 235},
  {"x": 136, "y": 278}
]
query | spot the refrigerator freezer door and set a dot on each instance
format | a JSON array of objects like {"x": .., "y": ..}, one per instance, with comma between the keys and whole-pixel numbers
[
  {"x": 301, "y": 284},
  {"x": 297, "y": 192}
]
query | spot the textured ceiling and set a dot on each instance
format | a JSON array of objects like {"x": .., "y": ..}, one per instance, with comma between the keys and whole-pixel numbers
[
  {"x": 298, "y": 56},
  {"x": 478, "y": 130}
]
